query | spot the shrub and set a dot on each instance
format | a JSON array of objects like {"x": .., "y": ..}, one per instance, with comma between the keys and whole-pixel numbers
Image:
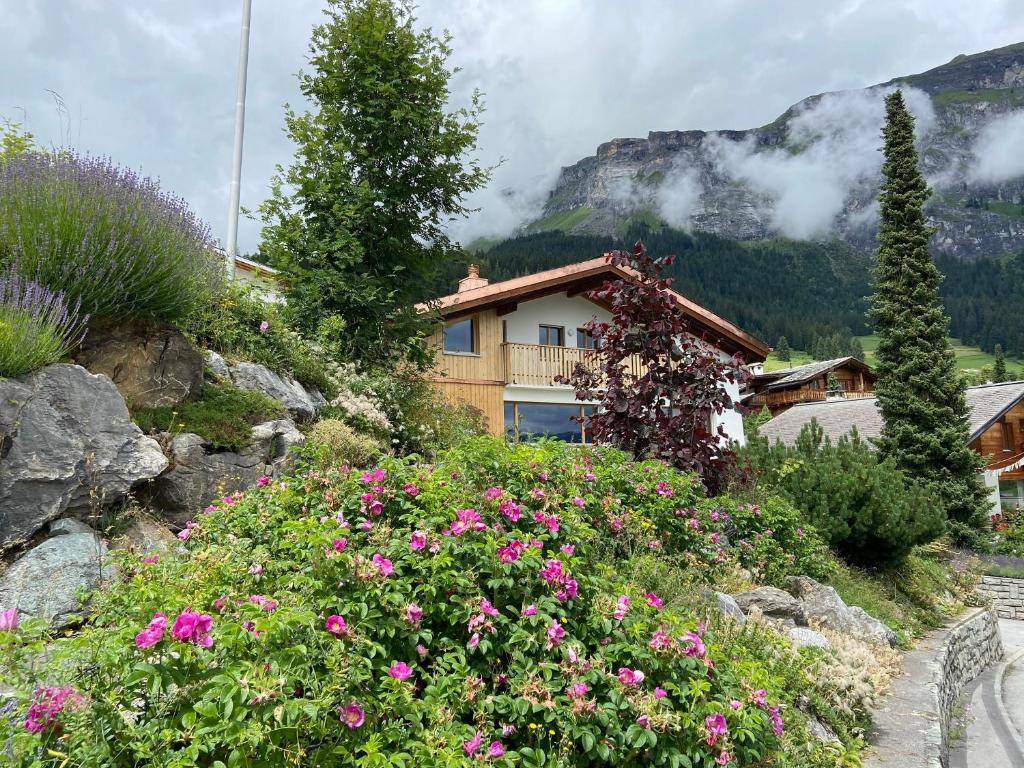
[
  {"x": 104, "y": 236},
  {"x": 864, "y": 507},
  {"x": 1008, "y": 529},
  {"x": 415, "y": 615},
  {"x": 332, "y": 443},
  {"x": 37, "y": 327},
  {"x": 224, "y": 415},
  {"x": 241, "y": 325}
]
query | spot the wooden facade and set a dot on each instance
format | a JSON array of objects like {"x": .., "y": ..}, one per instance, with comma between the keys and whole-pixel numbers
[
  {"x": 854, "y": 380},
  {"x": 1002, "y": 444}
]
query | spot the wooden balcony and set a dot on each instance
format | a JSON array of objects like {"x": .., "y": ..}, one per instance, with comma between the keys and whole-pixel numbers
[
  {"x": 787, "y": 397},
  {"x": 537, "y": 364}
]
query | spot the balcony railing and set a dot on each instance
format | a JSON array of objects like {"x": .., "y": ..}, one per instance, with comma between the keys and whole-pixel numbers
[
  {"x": 538, "y": 365},
  {"x": 792, "y": 396}
]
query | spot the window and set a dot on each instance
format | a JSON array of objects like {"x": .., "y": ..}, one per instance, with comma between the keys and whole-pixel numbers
[
  {"x": 528, "y": 421},
  {"x": 552, "y": 335},
  {"x": 1007, "y": 428},
  {"x": 460, "y": 337},
  {"x": 585, "y": 339},
  {"x": 1011, "y": 494}
]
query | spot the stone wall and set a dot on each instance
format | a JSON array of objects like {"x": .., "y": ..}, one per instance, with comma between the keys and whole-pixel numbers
[
  {"x": 1007, "y": 595},
  {"x": 911, "y": 725}
]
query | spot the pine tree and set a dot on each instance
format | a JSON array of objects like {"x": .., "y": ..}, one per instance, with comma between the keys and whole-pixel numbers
[
  {"x": 856, "y": 349},
  {"x": 920, "y": 391},
  {"x": 782, "y": 350},
  {"x": 999, "y": 368}
]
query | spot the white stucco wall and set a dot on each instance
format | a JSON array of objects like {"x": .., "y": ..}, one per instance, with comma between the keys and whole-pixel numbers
[{"x": 523, "y": 326}]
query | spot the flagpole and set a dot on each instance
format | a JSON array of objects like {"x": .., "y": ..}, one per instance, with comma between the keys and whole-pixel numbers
[{"x": 236, "y": 170}]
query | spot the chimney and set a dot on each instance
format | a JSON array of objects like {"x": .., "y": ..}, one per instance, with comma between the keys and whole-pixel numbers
[{"x": 472, "y": 279}]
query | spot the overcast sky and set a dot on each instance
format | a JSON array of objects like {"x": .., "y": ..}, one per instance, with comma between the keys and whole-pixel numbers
[{"x": 152, "y": 82}]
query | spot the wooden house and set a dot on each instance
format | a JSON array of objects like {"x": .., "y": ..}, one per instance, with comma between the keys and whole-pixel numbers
[
  {"x": 844, "y": 377},
  {"x": 501, "y": 345},
  {"x": 996, "y": 425}
]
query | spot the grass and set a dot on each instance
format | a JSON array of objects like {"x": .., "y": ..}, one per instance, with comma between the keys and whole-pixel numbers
[
  {"x": 562, "y": 221},
  {"x": 1005, "y": 208},
  {"x": 1006, "y": 571},
  {"x": 968, "y": 358},
  {"x": 796, "y": 358},
  {"x": 224, "y": 415},
  {"x": 1009, "y": 96}
]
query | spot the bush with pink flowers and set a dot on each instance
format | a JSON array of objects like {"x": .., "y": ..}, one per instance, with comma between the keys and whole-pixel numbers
[{"x": 467, "y": 612}]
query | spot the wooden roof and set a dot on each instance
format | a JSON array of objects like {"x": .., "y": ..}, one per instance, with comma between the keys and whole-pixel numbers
[
  {"x": 801, "y": 374},
  {"x": 579, "y": 279}
]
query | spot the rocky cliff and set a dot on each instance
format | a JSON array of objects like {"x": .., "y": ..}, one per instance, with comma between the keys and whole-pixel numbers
[{"x": 813, "y": 173}]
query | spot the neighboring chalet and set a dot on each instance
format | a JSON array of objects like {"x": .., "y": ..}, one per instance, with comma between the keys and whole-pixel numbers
[
  {"x": 810, "y": 384},
  {"x": 503, "y": 344},
  {"x": 996, "y": 424}
]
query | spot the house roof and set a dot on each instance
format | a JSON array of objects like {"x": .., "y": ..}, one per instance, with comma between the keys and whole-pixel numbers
[
  {"x": 789, "y": 377},
  {"x": 986, "y": 403},
  {"x": 578, "y": 279}
]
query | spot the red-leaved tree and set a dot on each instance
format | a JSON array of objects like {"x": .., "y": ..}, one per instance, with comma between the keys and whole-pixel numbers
[{"x": 656, "y": 383}]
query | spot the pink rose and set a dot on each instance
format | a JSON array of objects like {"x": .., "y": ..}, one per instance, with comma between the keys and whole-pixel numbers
[
  {"x": 400, "y": 671},
  {"x": 629, "y": 676},
  {"x": 352, "y": 715},
  {"x": 413, "y": 613},
  {"x": 194, "y": 628},
  {"x": 152, "y": 634},
  {"x": 336, "y": 625},
  {"x": 8, "y": 620}
]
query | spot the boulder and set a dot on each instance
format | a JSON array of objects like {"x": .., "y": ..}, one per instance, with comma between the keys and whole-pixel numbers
[
  {"x": 729, "y": 608},
  {"x": 825, "y": 608},
  {"x": 67, "y": 444},
  {"x": 296, "y": 398},
  {"x": 802, "y": 637},
  {"x": 773, "y": 603},
  {"x": 821, "y": 732},
  {"x": 217, "y": 365},
  {"x": 150, "y": 363},
  {"x": 68, "y": 525},
  {"x": 47, "y": 580},
  {"x": 199, "y": 475},
  {"x": 143, "y": 535}
]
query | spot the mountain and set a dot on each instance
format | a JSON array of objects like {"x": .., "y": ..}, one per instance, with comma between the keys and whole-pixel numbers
[{"x": 813, "y": 173}]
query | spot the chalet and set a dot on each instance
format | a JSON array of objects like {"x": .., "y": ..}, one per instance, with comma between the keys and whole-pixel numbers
[
  {"x": 996, "y": 425},
  {"x": 502, "y": 344},
  {"x": 844, "y": 377}
]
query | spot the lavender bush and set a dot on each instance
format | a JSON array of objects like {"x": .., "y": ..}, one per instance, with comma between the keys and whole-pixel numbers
[
  {"x": 104, "y": 236},
  {"x": 37, "y": 326}
]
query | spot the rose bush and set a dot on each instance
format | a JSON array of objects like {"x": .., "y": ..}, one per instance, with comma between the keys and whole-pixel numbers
[{"x": 412, "y": 615}]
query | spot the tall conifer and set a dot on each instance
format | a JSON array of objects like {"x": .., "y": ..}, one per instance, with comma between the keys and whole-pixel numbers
[
  {"x": 999, "y": 368},
  {"x": 920, "y": 391}
]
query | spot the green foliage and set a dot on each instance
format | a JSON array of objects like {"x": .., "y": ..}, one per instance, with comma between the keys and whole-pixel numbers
[
  {"x": 332, "y": 443},
  {"x": 14, "y": 140},
  {"x": 233, "y": 326},
  {"x": 36, "y": 325},
  {"x": 864, "y": 507},
  {"x": 562, "y": 221},
  {"x": 358, "y": 222},
  {"x": 1009, "y": 532},
  {"x": 273, "y": 567},
  {"x": 920, "y": 392},
  {"x": 223, "y": 415},
  {"x": 999, "y": 367},
  {"x": 104, "y": 236}
]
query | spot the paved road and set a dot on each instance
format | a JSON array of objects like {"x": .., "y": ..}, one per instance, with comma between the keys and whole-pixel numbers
[{"x": 993, "y": 721}]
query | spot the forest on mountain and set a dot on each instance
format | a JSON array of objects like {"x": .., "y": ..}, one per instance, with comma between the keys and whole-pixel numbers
[{"x": 772, "y": 288}]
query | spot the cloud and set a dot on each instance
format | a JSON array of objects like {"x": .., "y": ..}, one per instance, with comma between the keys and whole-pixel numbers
[
  {"x": 678, "y": 197},
  {"x": 832, "y": 151},
  {"x": 152, "y": 83},
  {"x": 999, "y": 150}
]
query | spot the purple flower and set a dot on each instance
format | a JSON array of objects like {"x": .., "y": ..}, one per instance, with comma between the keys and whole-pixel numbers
[
  {"x": 264, "y": 326},
  {"x": 352, "y": 715},
  {"x": 413, "y": 613},
  {"x": 400, "y": 671},
  {"x": 194, "y": 628},
  {"x": 470, "y": 747},
  {"x": 152, "y": 634}
]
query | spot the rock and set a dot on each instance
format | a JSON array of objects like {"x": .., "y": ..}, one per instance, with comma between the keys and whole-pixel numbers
[
  {"x": 773, "y": 603},
  {"x": 802, "y": 637},
  {"x": 144, "y": 534},
  {"x": 820, "y": 731},
  {"x": 825, "y": 608},
  {"x": 67, "y": 443},
  {"x": 729, "y": 608},
  {"x": 150, "y": 363},
  {"x": 289, "y": 393},
  {"x": 46, "y": 581},
  {"x": 199, "y": 475},
  {"x": 68, "y": 525},
  {"x": 217, "y": 365}
]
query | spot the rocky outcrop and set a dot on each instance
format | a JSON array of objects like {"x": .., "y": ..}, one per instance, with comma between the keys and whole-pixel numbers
[
  {"x": 728, "y": 607},
  {"x": 734, "y": 183},
  {"x": 304, "y": 403},
  {"x": 67, "y": 444},
  {"x": 824, "y": 608},
  {"x": 150, "y": 363},
  {"x": 144, "y": 535},
  {"x": 802, "y": 637},
  {"x": 199, "y": 475},
  {"x": 772, "y": 603},
  {"x": 47, "y": 580}
]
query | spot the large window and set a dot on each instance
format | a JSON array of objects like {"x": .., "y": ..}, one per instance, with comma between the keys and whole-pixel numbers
[
  {"x": 529, "y": 421},
  {"x": 552, "y": 335},
  {"x": 460, "y": 337},
  {"x": 585, "y": 339},
  {"x": 1011, "y": 494}
]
